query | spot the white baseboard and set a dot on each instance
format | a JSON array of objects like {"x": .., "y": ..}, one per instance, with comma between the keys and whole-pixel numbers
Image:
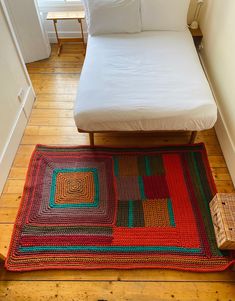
[
  {"x": 28, "y": 102},
  {"x": 226, "y": 144},
  {"x": 15, "y": 138},
  {"x": 225, "y": 140},
  {"x": 65, "y": 34}
]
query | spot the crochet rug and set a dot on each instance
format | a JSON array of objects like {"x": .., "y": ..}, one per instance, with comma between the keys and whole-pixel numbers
[{"x": 85, "y": 208}]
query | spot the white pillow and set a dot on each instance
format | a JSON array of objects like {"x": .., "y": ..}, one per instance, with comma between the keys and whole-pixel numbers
[
  {"x": 113, "y": 16},
  {"x": 164, "y": 14}
]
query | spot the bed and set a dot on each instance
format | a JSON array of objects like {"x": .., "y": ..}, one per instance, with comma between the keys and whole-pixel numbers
[{"x": 143, "y": 82}]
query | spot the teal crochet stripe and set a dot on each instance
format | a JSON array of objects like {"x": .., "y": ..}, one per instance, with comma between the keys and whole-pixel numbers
[
  {"x": 130, "y": 215},
  {"x": 141, "y": 186},
  {"x": 120, "y": 249},
  {"x": 115, "y": 160},
  {"x": 171, "y": 213}
]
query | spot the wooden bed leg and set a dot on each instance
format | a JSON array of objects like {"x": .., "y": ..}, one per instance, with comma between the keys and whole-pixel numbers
[
  {"x": 92, "y": 140},
  {"x": 193, "y": 137}
]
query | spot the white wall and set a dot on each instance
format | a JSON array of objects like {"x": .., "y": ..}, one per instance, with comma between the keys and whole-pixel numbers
[
  {"x": 26, "y": 21},
  {"x": 71, "y": 28},
  {"x": 13, "y": 117},
  {"x": 218, "y": 26}
]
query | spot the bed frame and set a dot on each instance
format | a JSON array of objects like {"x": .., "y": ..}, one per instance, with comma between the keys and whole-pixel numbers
[{"x": 92, "y": 134}]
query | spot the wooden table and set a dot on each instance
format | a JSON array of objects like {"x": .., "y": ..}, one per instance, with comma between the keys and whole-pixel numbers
[{"x": 67, "y": 15}]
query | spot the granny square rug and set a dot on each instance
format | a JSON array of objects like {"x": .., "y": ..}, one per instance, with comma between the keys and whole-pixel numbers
[{"x": 121, "y": 208}]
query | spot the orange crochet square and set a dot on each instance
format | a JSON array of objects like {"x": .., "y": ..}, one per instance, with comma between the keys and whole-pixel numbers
[
  {"x": 74, "y": 188},
  {"x": 156, "y": 213}
]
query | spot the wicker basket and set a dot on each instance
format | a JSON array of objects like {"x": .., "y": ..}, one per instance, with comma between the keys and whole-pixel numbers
[{"x": 223, "y": 216}]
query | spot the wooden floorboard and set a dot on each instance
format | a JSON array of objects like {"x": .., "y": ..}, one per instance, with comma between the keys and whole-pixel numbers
[
  {"x": 113, "y": 291},
  {"x": 55, "y": 81}
]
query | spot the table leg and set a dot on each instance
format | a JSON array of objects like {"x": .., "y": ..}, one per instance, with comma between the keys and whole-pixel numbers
[
  {"x": 83, "y": 39},
  {"x": 57, "y": 37}
]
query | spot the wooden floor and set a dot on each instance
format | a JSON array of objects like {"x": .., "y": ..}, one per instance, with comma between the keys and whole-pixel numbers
[{"x": 55, "y": 81}]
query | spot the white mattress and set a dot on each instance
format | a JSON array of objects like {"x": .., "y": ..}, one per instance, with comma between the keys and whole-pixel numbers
[{"x": 143, "y": 82}]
